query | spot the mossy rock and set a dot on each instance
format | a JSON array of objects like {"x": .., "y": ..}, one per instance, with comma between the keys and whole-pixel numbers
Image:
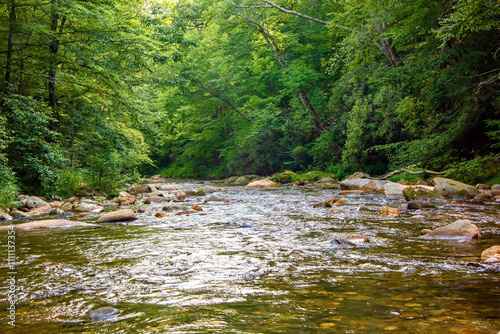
[
  {"x": 200, "y": 192},
  {"x": 415, "y": 193},
  {"x": 285, "y": 177},
  {"x": 16, "y": 205}
]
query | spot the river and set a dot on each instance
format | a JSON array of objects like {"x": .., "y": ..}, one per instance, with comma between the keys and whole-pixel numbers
[{"x": 264, "y": 263}]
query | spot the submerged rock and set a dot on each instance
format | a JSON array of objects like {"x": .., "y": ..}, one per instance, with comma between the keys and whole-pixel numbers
[
  {"x": 101, "y": 314},
  {"x": 387, "y": 211},
  {"x": 492, "y": 254},
  {"x": 117, "y": 216},
  {"x": 47, "y": 224},
  {"x": 461, "y": 228}
]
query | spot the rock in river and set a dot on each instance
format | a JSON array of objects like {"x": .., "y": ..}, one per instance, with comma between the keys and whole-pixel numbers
[
  {"x": 125, "y": 199},
  {"x": 417, "y": 205},
  {"x": 461, "y": 228},
  {"x": 117, "y": 216},
  {"x": 101, "y": 314},
  {"x": 46, "y": 224},
  {"x": 492, "y": 254},
  {"x": 265, "y": 183},
  {"x": 387, "y": 211},
  {"x": 453, "y": 189},
  {"x": 358, "y": 184}
]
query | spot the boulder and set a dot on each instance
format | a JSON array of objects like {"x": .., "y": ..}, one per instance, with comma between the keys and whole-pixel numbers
[
  {"x": 19, "y": 214},
  {"x": 86, "y": 207},
  {"x": 417, "y": 205},
  {"x": 285, "y": 177},
  {"x": 483, "y": 196},
  {"x": 71, "y": 199},
  {"x": 101, "y": 314},
  {"x": 209, "y": 189},
  {"x": 178, "y": 196},
  {"x": 5, "y": 216},
  {"x": 196, "y": 207},
  {"x": 370, "y": 187},
  {"x": 117, "y": 216},
  {"x": 326, "y": 180},
  {"x": 359, "y": 175},
  {"x": 156, "y": 199},
  {"x": 453, "y": 189},
  {"x": 387, "y": 211},
  {"x": 67, "y": 206},
  {"x": 56, "y": 211},
  {"x": 46, "y": 224},
  {"x": 157, "y": 179},
  {"x": 125, "y": 199},
  {"x": 39, "y": 210},
  {"x": 17, "y": 204},
  {"x": 461, "y": 228},
  {"x": 242, "y": 180},
  {"x": 495, "y": 187},
  {"x": 358, "y": 184},
  {"x": 265, "y": 183},
  {"x": 161, "y": 214},
  {"x": 141, "y": 189},
  {"x": 492, "y": 254},
  {"x": 394, "y": 189},
  {"x": 35, "y": 202},
  {"x": 232, "y": 179},
  {"x": 482, "y": 186},
  {"x": 418, "y": 192},
  {"x": 56, "y": 204}
]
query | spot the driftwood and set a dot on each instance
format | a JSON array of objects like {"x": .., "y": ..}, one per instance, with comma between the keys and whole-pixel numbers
[{"x": 404, "y": 170}]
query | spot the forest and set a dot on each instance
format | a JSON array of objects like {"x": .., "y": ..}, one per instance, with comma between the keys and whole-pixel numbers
[{"x": 101, "y": 92}]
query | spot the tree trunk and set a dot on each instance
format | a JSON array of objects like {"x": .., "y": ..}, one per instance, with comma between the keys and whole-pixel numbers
[
  {"x": 304, "y": 99},
  {"x": 8, "y": 66},
  {"x": 54, "y": 48}
]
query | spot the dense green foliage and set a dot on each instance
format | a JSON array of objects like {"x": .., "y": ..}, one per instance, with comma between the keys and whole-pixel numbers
[{"x": 214, "y": 88}]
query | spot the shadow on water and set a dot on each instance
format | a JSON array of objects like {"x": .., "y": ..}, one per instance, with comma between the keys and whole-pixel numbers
[{"x": 263, "y": 264}]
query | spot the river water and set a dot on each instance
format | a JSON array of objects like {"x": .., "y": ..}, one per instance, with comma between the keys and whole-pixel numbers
[{"x": 265, "y": 263}]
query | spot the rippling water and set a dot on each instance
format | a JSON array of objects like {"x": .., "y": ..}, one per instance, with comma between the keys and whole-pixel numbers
[{"x": 262, "y": 264}]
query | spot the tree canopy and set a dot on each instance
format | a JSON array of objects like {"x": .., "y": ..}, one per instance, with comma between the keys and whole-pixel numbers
[{"x": 94, "y": 91}]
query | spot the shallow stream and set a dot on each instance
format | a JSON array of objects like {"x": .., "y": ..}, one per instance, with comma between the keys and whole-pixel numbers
[{"x": 265, "y": 263}]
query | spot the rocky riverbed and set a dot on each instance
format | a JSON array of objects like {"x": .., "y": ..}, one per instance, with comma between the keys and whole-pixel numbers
[{"x": 198, "y": 257}]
